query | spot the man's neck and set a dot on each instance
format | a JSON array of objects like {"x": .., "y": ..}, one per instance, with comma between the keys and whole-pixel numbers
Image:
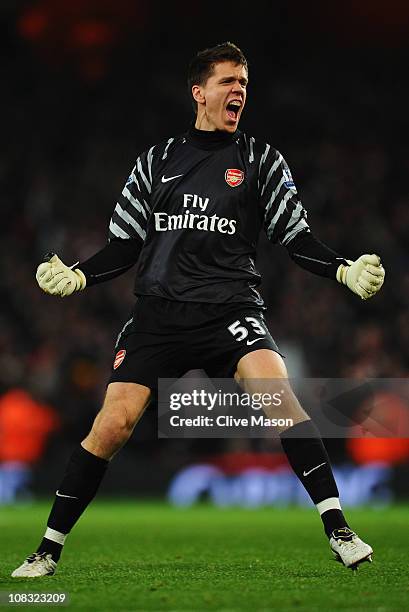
[{"x": 203, "y": 124}]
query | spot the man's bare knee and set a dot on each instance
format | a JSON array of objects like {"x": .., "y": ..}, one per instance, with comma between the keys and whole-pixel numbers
[
  {"x": 123, "y": 406},
  {"x": 264, "y": 371},
  {"x": 112, "y": 426}
]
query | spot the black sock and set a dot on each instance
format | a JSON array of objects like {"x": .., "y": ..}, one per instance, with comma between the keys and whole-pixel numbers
[
  {"x": 307, "y": 456},
  {"x": 82, "y": 478},
  {"x": 333, "y": 519}
]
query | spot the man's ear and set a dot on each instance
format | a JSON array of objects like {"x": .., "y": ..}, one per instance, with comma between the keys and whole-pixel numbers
[{"x": 197, "y": 94}]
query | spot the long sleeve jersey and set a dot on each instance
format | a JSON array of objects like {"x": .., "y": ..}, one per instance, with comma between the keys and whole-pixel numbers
[{"x": 194, "y": 207}]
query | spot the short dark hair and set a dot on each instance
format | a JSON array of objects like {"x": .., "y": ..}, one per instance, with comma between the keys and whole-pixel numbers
[{"x": 202, "y": 65}]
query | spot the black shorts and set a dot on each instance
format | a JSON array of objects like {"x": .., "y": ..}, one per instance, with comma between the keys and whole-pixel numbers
[{"x": 166, "y": 339}]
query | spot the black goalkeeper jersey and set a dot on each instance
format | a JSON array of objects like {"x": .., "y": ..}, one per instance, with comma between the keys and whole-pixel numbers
[{"x": 198, "y": 202}]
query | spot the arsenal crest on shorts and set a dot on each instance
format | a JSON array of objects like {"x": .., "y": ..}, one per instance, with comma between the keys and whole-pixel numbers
[
  {"x": 119, "y": 357},
  {"x": 234, "y": 177}
]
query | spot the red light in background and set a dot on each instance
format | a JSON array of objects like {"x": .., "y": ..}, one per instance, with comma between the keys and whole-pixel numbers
[
  {"x": 33, "y": 24},
  {"x": 92, "y": 34},
  {"x": 83, "y": 32}
]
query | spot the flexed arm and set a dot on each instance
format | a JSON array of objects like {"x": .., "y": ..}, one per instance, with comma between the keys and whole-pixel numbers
[
  {"x": 285, "y": 221},
  {"x": 56, "y": 278},
  {"x": 127, "y": 232},
  {"x": 364, "y": 276}
]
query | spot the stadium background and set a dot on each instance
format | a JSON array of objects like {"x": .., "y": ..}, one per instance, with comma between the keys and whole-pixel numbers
[{"x": 86, "y": 86}]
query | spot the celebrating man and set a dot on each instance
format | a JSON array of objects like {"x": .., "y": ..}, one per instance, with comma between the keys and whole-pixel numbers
[{"x": 189, "y": 216}]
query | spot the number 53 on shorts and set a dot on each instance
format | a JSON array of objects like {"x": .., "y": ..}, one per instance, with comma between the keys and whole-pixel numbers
[{"x": 241, "y": 328}]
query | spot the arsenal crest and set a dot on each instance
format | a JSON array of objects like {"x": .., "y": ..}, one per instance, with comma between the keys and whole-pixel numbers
[
  {"x": 119, "y": 357},
  {"x": 234, "y": 177}
]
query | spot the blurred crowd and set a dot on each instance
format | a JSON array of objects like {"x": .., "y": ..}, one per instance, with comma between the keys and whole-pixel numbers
[{"x": 70, "y": 147}]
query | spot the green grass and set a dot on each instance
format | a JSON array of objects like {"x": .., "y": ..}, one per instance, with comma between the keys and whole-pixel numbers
[{"x": 140, "y": 556}]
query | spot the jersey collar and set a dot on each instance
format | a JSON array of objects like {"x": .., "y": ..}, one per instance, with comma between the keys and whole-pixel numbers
[{"x": 210, "y": 141}]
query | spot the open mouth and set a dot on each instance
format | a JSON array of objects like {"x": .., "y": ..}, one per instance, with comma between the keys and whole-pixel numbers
[{"x": 233, "y": 109}]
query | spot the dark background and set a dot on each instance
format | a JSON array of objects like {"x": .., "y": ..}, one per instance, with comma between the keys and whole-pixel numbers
[{"x": 87, "y": 85}]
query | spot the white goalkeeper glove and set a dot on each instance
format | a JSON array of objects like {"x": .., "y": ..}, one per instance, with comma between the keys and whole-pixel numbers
[
  {"x": 364, "y": 276},
  {"x": 55, "y": 278}
]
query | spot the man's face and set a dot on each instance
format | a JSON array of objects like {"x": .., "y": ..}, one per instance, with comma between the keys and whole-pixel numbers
[{"x": 222, "y": 98}]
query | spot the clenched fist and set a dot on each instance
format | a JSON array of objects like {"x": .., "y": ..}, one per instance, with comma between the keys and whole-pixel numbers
[
  {"x": 55, "y": 278},
  {"x": 364, "y": 276}
]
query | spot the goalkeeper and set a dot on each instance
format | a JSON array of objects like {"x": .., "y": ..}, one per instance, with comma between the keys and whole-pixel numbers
[{"x": 189, "y": 218}]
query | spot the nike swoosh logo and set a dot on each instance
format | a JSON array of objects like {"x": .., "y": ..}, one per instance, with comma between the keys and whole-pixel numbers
[
  {"x": 58, "y": 494},
  {"x": 170, "y": 178},
  {"x": 314, "y": 468},
  {"x": 250, "y": 342}
]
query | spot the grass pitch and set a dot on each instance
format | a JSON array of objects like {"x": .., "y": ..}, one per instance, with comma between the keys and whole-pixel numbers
[{"x": 140, "y": 556}]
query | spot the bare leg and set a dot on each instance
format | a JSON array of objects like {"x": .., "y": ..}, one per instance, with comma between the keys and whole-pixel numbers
[
  {"x": 123, "y": 406},
  {"x": 264, "y": 371}
]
